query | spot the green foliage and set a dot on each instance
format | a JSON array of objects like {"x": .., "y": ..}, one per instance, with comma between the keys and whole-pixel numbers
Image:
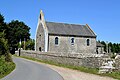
[
  {"x": 1, "y": 18},
  {"x": 114, "y": 47},
  {"x": 14, "y": 31},
  {"x": 5, "y": 67},
  {"x": 17, "y": 30},
  {"x": 3, "y": 44},
  {"x": 3, "y": 26},
  {"x": 115, "y": 75},
  {"x": 4, "y": 48},
  {"x": 28, "y": 45},
  {"x": 6, "y": 64},
  {"x": 102, "y": 42}
]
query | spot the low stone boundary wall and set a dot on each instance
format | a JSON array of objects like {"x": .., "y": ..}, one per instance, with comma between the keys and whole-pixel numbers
[
  {"x": 117, "y": 62},
  {"x": 69, "y": 59}
]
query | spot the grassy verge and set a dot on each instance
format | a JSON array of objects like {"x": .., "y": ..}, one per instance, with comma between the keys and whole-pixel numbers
[
  {"x": 5, "y": 67},
  {"x": 115, "y": 75}
]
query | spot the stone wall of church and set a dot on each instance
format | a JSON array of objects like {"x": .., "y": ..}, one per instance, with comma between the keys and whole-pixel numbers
[
  {"x": 40, "y": 39},
  {"x": 65, "y": 45}
]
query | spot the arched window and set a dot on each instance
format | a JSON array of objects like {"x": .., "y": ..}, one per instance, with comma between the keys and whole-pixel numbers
[
  {"x": 72, "y": 41},
  {"x": 88, "y": 42},
  {"x": 56, "y": 40}
]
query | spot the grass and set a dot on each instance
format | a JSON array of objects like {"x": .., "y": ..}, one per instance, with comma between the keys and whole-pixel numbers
[
  {"x": 115, "y": 75},
  {"x": 5, "y": 67}
]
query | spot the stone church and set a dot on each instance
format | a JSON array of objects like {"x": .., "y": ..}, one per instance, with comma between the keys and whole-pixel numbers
[{"x": 64, "y": 38}]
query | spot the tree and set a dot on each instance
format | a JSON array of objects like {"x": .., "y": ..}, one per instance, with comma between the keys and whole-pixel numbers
[
  {"x": 1, "y": 18},
  {"x": 17, "y": 30},
  {"x": 3, "y": 26},
  {"x": 29, "y": 44},
  {"x": 3, "y": 42},
  {"x": 102, "y": 42},
  {"x": 4, "y": 48},
  {"x": 110, "y": 46},
  {"x": 14, "y": 31},
  {"x": 118, "y": 48}
]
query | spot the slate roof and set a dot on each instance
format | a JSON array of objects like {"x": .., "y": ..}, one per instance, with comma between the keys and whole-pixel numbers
[
  {"x": 99, "y": 44},
  {"x": 69, "y": 29}
]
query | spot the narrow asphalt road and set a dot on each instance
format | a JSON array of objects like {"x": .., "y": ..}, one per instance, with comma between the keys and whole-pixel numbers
[{"x": 27, "y": 70}]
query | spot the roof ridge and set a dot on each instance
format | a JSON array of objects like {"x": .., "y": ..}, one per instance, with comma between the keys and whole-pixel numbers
[
  {"x": 65, "y": 23},
  {"x": 90, "y": 29}
]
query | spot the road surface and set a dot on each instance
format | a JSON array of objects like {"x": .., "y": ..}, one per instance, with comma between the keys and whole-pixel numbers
[{"x": 27, "y": 70}]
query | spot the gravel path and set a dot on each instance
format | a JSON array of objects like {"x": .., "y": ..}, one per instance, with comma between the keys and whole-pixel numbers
[{"x": 69, "y": 74}]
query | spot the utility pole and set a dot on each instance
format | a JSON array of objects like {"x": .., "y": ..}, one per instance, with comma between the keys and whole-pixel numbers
[
  {"x": 24, "y": 43},
  {"x": 107, "y": 48},
  {"x": 20, "y": 48}
]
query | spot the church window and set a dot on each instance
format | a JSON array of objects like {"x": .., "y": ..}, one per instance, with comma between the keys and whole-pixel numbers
[
  {"x": 88, "y": 42},
  {"x": 72, "y": 41},
  {"x": 56, "y": 40}
]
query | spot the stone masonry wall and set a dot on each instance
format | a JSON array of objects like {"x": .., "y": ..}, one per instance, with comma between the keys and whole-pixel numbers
[
  {"x": 40, "y": 38},
  {"x": 64, "y": 45},
  {"x": 69, "y": 59},
  {"x": 117, "y": 62}
]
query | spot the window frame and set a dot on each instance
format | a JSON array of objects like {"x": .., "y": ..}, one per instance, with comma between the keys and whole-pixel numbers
[
  {"x": 72, "y": 40},
  {"x": 88, "y": 42},
  {"x": 56, "y": 40}
]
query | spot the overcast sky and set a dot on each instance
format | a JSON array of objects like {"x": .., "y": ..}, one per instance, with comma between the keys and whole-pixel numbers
[{"x": 103, "y": 16}]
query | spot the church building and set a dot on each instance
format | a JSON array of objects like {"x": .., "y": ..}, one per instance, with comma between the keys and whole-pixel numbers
[{"x": 64, "y": 37}]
